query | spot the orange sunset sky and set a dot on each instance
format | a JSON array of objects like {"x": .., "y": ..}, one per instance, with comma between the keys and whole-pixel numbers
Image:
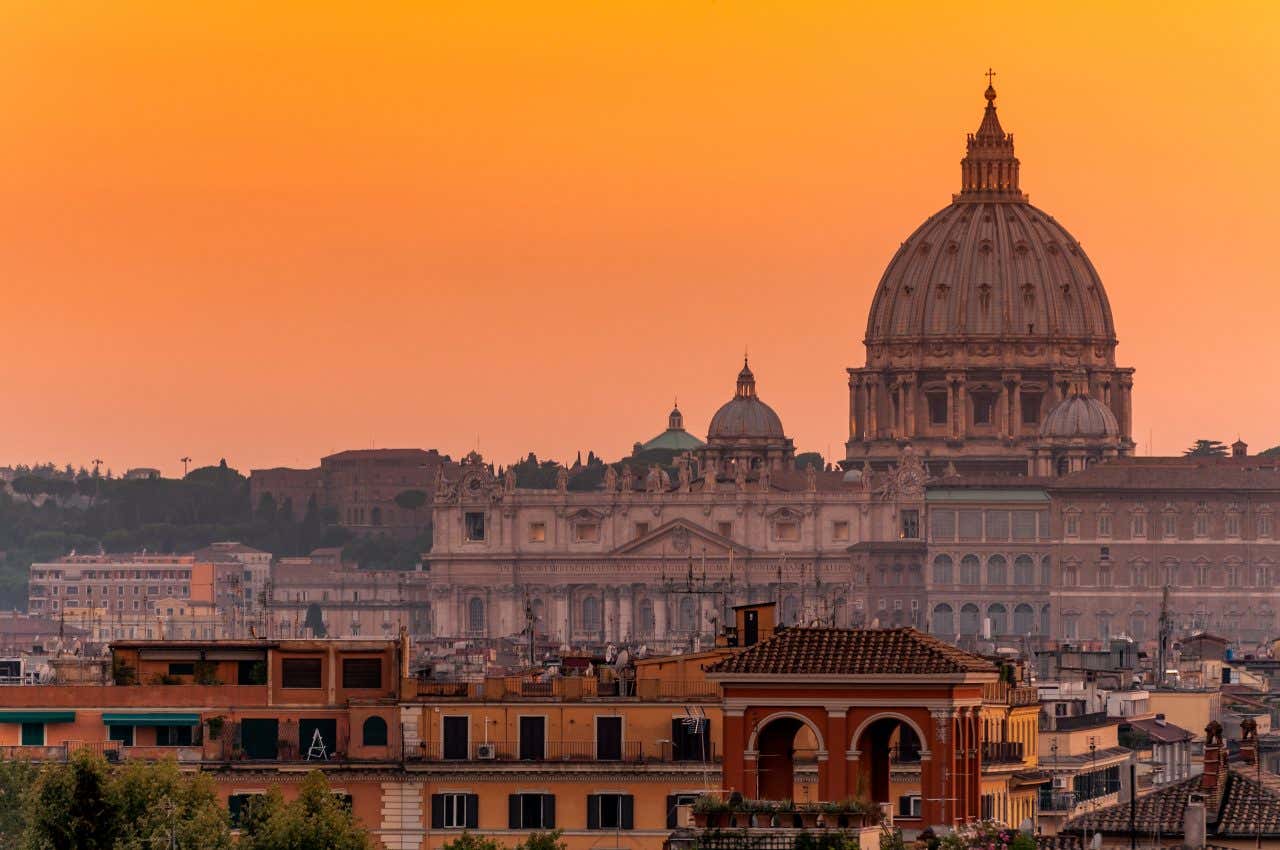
[{"x": 265, "y": 231}]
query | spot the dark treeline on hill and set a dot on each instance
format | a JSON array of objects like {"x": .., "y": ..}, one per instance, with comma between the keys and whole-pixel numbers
[{"x": 54, "y": 515}]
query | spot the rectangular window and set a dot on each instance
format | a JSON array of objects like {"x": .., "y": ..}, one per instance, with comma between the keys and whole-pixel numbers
[
  {"x": 533, "y": 738},
  {"x": 910, "y": 527},
  {"x": 910, "y": 806},
  {"x": 608, "y": 738},
  {"x": 1104, "y": 525},
  {"x": 33, "y": 734},
  {"x": 610, "y": 811},
  {"x": 786, "y": 531},
  {"x": 238, "y": 806},
  {"x": 1202, "y": 525},
  {"x": 123, "y": 734},
  {"x": 362, "y": 673},
  {"x": 182, "y": 668},
  {"x": 970, "y": 525},
  {"x": 1169, "y": 527},
  {"x": 474, "y": 525},
  {"x": 997, "y": 525},
  {"x": 984, "y": 408},
  {"x": 840, "y": 530},
  {"x": 937, "y": 408},
  {"x": 1139, "y": 525},
  {"x": 1264, "y": 525},
  {"x": 1233, "y": 525},
  {"x": 457, "y": 734},
  {"x": 691, "y": 738},
  {"x": 1071, "y": 524},
  {"x": 301, "y": 673},
  {"x": 642, "y": 528},
  {"x": 1024, "y": 525},
  {"x": 174, "y": 736},
  {"x": 586, "y": 532},
  {"x": 1030, "y": 408},
  {"x": 531, "y": 811},
  {"x": 943, "y": 525},
  {"x": 537, "y": 532},
  {"x": 455, "y": 811},
  {"x": 724, "y": 529}
]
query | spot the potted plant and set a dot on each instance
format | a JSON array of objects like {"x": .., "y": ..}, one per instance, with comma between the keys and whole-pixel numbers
[
  {"x": 708, "y": 811},
  {"x": 809, "y": 815},
  {"x": 215, "y": 727}
]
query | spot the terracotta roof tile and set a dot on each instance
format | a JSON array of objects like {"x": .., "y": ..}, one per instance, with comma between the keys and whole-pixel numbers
[{"x": 848, "y": 652}]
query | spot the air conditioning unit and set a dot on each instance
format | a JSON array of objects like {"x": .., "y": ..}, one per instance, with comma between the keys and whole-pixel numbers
[
  {"x": 1060, "y": 782},
  {"x": 486, "y": 751}
]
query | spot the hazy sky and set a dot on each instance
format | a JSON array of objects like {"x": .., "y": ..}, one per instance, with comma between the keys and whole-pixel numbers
[{"x": 266, "y": 231}]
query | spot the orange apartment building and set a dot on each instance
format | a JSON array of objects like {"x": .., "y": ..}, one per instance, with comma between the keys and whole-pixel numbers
[{"x": 617, "y": 758}]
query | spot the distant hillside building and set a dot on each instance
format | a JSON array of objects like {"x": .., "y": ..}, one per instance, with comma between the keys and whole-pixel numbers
[{"x": 370, "y": 491}]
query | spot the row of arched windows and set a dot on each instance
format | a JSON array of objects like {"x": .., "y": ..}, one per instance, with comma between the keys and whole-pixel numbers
[
  {"x": 1023, "y": 619},
  {"x": 998, "y": 571}
]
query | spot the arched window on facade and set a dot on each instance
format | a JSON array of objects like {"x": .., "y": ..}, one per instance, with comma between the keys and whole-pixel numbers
[
  {"x": 997, "y": 570},
  {"x": 944, "y": 621},
  {"x": 475, "y": 615},
  {"x": 1024, "y": 570},
  {"x": 646, "y": 618},
  {"x": 969, "y": 616},
  {"x": 688, "y": 614},
  {"x": 942, "y": 569},
  {"x": 591, "y": 614},
  {"x": 998, "y": 616},
  {"x": 1045, "y": 621},
  {"x": 790, "y": 611},
  {"x": 1104, "y": 626},
  {"x": 374, "y": 732},
  {"x": 1138, "y": 625},
  {"x": 1046, "y": 571},
  {"x": 1024, "y": 619},
  {"x": 970, "y": 570}
]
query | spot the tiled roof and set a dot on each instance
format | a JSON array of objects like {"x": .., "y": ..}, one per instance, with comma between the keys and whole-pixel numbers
[
  {"x": 1164, "y": 732},
  {"x": 1249, "y": 473},
  {"x": 1246, "y": 804},
  {"x": 851, "y": 652}
]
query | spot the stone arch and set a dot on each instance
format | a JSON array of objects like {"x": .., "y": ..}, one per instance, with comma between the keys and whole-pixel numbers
[
  {"x": 942, "y": 570},
  {"x": 882, "y": 739},
  {"x": 944, "y": 621},
  {"x": 772, "y": 740},
  {"x": 970, "y": 619},
  {"x": 999, "y": 617},
  {"x": 997, "y": 570},
  {"x": 1024, "y": 619}
]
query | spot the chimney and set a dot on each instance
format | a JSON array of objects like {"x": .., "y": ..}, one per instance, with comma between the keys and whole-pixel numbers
[
  {"x": 1214, "y": 758},
  {"x": 1249, "y": 740},
  {"x": 1194, "y": 826}
]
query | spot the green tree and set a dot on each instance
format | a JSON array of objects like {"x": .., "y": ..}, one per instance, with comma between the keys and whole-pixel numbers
[
  {"x": 16, "y": 779},
  {"x": 471, "y": 841},
  {"x": 315, "y": 620},
  {"x": 1274, "y": 451},
  {"x": 806, "y": 458},
  {"x": 411, "y": 500},
  {"x": 316, "y": 820},
  {"x": 156, "y": 805},
  {"x": 549, "y": 840},
  {"x": 70, "y": 808},
  {"x": 1206, "y": 448}
]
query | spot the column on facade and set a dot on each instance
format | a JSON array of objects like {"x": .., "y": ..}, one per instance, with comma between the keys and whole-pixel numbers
[
  {"x": 855, "y": 412},
  {"x": 873, "y": 407},
  {"x": 962, "y": 407},
  {"x": 611, "y": 631},
  {"x": 909, "y": 405},
  {"x": 559, "y": 625},
  {"x": 837, "y": 744},
  {"x": 737, "y": 762},
  {"x": 1003, "y": 420},
  {"x": 939, "y": 777},
  {"x": 660, "y": 616},
  {"x": 626, "y": 604},
  {"x": 1014, "y": 380},
  {"x": 1126, "y": 407}
]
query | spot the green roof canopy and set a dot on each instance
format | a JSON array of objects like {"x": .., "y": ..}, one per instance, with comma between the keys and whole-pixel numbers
[
  {"x": 37, "y": 716},
  {"x": 151, "y": 719}
]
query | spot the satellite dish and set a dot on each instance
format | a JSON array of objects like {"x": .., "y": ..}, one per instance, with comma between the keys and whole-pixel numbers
[{"x": 624, "y": 658}]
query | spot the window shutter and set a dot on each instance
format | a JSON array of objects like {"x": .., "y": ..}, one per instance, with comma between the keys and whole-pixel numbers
[
  {"x": 593, "y": 811},
  {"x": 513, "y": 811},
  {"x": 672, "y": 802},
  {"x": 548, "y": 811},
  {"x": 628, "y": 811},
  {"x": 473, "y": 810},
  {"x": 437, "y": 811},
  {"x": 677, "y": 739}
]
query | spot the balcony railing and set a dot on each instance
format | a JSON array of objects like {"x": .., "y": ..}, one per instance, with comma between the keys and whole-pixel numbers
[
  {"x": 1002, "y": 752},
  {"x": 1056, "y": 801},
  {"x": 1014, "y": 695},
  {"x": 567, "y": 689},
  {"x": 1069, "y": 722},
  {"x": 511, "y": 751}
]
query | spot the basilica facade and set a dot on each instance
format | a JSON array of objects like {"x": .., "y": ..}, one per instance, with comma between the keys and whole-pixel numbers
[{"x": 988, "y": 492}]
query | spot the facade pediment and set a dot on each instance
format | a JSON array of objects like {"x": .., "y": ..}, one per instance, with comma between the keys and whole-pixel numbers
[{"x": 682, "y": 537}]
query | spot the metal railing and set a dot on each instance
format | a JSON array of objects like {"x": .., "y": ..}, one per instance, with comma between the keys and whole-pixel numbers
[
  {"x": 512, "y": 751},
  {"x": 1002, "y": 752},
  {"x": 682, "y": 689},
  {"x": 1056, "y": 801},
  {"x": 1069, "y": 722}
]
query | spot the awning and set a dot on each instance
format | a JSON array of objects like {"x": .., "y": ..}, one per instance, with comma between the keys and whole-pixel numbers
[
  {"x": 37, "y": 716},
  {"x": 149, "y": 719}
]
